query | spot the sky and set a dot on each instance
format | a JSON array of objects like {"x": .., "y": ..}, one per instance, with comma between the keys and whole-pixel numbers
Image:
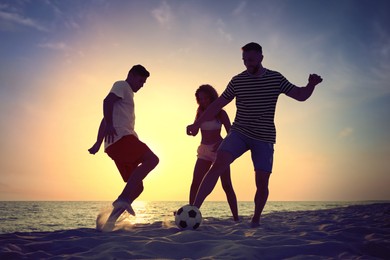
[{"x": 59, "y": 59}]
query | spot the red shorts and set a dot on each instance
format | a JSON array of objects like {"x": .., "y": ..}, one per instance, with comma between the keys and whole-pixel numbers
[{"x": 127, "y": 154}]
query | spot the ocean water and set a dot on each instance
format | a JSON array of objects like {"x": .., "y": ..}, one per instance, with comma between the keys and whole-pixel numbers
[{"x": 42, "y": 216}]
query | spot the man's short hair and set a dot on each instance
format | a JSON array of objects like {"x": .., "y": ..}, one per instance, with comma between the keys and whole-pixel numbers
[
  {"x": 252, "y": 46},
  {"x": 139, "y": 70}
]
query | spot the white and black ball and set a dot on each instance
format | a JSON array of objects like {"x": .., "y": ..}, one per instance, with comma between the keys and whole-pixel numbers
[{"x": 188, "y": 217}]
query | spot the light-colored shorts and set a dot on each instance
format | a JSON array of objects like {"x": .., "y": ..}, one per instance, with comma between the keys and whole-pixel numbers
[
  {"x": 207, "y": 152},
  {"x": 127, "y": 154},
  {"x": 262, "y": 153}
]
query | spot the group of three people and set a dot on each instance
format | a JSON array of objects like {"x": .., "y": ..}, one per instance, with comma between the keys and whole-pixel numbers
[{"x": 256, "y": 91}]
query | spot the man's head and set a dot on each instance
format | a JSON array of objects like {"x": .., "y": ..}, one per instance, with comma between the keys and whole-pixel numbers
[
  {"x": 252, "y": 55},
  {"x": 137, "y": 77},
  {"x": 252, "y": 46}
]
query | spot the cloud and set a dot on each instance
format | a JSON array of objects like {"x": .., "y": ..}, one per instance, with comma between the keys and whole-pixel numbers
[
  {"x": 55, "y": 46},
  {"x": 346, "y": 132},
  {"x": 380, "y": 49},
  {"x": 163, "y": 14},
  {"x": 14, "y": 18},
  {"x": 239, "y": 9},
  {"x": 221, "y": 30},
  {"x": 69, "y": 21}
]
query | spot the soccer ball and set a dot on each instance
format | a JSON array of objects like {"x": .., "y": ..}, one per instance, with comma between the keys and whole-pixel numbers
[{"x": 188, "y": 217}]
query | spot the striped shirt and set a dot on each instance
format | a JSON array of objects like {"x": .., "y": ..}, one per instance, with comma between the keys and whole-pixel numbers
[{"x": 256, "y": 99}]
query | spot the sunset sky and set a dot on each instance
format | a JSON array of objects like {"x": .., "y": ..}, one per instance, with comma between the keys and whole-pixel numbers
[{"x": 59, "y": 59}]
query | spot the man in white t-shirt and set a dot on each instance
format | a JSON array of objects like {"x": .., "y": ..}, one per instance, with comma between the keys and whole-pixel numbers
[{"x": 133, "y": 158}]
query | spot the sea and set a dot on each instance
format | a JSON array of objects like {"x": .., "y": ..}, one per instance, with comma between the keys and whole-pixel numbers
[{"x": 44, "y": 216}]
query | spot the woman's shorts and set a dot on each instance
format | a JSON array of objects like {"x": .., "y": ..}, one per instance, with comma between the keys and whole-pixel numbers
[
  {"x": 207, "y": 152},
  {"x": 127, "y": 154}
]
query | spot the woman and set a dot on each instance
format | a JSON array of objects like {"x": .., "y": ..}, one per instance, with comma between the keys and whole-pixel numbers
[{"x": 207, "y": 150}]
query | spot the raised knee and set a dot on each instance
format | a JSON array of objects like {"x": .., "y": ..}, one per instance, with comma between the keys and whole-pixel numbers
[
  {"x": 150, "y": 160},
  {"x": 155, "y": 160}
]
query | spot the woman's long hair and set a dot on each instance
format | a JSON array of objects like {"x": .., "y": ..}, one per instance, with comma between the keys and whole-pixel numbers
[{"x": 210, "y": 92}]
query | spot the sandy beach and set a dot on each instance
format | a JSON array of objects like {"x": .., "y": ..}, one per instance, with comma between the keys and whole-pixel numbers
[{"x": 354, "y": 232}]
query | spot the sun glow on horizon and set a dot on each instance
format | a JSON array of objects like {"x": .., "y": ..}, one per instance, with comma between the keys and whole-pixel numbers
[{"x": 57, "y": 70}]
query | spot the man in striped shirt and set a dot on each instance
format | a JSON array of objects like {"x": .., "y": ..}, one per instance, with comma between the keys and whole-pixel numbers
[{"x": 256, "y": 91}]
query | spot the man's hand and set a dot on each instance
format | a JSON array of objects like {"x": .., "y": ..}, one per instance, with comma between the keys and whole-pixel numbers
[
  {"x": 110, "y": 133},
  {"x": 192, "y": 130},
  {"x": 314, "y": 79}
]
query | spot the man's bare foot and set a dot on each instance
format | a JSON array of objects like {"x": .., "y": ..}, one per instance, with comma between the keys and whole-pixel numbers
[
  {"x": 255, "y": 224},
  {"x": 123, "y": 204}
]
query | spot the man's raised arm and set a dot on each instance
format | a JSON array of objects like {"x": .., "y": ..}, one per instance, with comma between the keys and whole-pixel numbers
[{"x": 303, "y": 93}]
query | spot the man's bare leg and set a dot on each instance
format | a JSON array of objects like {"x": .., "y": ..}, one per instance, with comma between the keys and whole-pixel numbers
[
  {"x": 262, "y": 180},
  {"x": 134, "y": 185},
  {"x": 149, "y": 162},
  {"x": 230, "y": 194}
]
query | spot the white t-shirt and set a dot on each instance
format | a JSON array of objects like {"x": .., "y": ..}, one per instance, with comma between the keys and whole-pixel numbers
[{"x": 123, "y": 117}]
